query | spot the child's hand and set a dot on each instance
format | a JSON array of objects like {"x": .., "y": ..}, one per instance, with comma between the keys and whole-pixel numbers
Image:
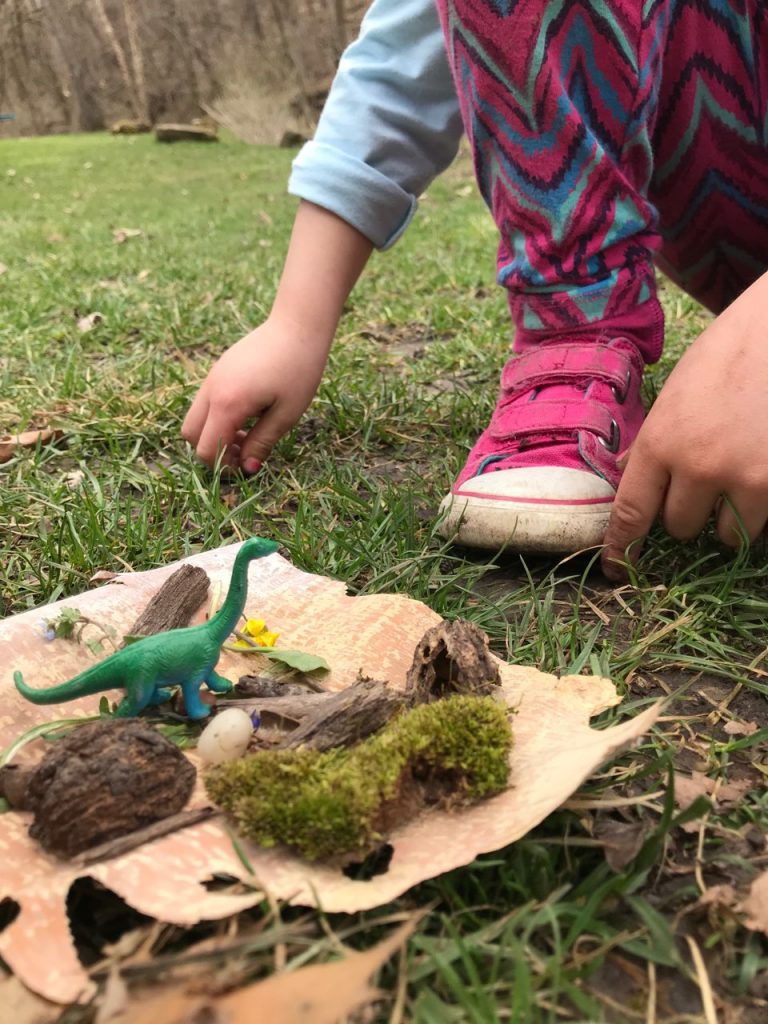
[
  {"x": 705, "y": 440},
  {"x": 270, "y": 376}
]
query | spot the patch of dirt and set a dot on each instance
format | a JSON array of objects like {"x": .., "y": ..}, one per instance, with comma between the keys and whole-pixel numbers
[{"x": 408, "y": 341}]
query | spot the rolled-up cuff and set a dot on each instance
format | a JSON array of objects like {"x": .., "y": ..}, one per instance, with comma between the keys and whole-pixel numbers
[{"x": 362, "y": 196}]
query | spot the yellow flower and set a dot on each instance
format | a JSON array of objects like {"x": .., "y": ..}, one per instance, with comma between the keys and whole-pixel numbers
[{"x": 257, "y": 632}]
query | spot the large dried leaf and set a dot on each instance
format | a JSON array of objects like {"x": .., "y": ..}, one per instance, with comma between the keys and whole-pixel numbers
[
  {"x": 320, "y": 994},
  {"x": 755, "y": 906},
  {"x": 555, "y": 749}
]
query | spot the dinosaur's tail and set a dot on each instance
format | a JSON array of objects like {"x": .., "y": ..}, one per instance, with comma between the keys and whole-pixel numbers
[{"x": 88, "y": 682}]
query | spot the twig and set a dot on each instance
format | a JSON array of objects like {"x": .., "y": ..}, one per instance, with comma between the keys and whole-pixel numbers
[{"x": 124, "y": 844}]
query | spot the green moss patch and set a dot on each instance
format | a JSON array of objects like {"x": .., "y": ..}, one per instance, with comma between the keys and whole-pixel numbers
[{"x": 344, "y": 801}]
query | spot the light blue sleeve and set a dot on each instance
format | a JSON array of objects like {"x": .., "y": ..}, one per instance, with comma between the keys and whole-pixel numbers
[{"x": 390, "y": 125}]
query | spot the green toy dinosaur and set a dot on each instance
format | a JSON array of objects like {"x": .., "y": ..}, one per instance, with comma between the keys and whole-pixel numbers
[{"x": 179, "y": 657}]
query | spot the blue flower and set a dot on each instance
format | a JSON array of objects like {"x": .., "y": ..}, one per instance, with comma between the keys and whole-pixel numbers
[{"x": 49, "y": 633}]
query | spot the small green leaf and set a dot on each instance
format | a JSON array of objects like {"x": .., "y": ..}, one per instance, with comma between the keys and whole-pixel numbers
[
  {"x": 65, "y": 624},
  {"x": 129, "y": 639},
  {"x": 4, "y": 805},
  {"x": 298, "y": 660}
]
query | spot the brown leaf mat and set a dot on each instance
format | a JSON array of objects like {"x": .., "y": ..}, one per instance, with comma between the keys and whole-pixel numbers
[{"x": 554, "y": 751}]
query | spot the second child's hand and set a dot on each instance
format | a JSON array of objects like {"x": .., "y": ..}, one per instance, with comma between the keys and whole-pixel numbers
[{"x": 704, "y": 447}]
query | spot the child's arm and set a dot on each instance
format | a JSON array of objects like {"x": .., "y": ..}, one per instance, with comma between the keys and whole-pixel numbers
[
  {"x": 390, "y": 125},
  {"x": 273, "y": 372},
  {"x": 705, "y": 439}
]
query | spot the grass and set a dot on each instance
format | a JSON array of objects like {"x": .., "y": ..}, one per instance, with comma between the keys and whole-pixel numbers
[{"x": 541, "y": 932}]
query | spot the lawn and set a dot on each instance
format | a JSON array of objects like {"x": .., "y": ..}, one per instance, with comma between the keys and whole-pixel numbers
[{"x": 550, "y": 929}]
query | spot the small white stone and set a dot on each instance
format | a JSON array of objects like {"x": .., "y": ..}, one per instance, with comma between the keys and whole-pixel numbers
[{"x": 226, "y": 737}]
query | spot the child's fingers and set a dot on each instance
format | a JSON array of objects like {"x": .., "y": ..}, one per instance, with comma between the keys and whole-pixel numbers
[
  {"x": 743, "y": 516},
  {"x": 638, "y": 501},
  {"x": 216, "y": 436},
  {"x": 687, "y": 506},
  {"x": 194, "y": 421},
  {"x": 262, "y": 438}
]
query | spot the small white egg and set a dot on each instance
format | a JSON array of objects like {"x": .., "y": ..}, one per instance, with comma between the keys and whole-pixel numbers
[{"x": 226, "y": 737}]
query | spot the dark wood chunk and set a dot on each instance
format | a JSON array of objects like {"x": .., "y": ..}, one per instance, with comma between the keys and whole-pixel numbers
[
  {"x": 342, "y": 719},
  {"x": 104, "y": 780},
  {"x": 14, "y": 784},
  {"x": 452, "y": 657},
  {"x": 175, "y": 603}
]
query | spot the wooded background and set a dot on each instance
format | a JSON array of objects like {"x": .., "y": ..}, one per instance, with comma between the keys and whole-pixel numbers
[{"x": 256, "y": 66}]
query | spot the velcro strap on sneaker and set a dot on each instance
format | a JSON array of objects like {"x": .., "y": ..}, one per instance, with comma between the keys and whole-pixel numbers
[
  {"x": 524, "y": 420},
  {"x": 567, "y": 363}
]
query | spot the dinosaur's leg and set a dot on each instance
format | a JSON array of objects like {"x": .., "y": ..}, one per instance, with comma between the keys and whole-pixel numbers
[
  {"x": 138, "y": 694},
  {"x": 218, "y": 683},
  {"x": 161, "y": 695},
  {"x": 192, "y": 702}
]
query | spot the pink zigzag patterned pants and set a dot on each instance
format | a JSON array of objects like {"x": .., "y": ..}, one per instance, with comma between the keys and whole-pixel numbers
[{"x": 609, "y": 135}]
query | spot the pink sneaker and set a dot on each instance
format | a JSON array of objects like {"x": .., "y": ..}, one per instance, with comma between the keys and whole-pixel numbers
[{"x": 543, "y": 475}]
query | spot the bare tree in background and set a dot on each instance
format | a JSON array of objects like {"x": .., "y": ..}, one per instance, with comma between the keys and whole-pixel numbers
[{"x": 80, "y": 64}]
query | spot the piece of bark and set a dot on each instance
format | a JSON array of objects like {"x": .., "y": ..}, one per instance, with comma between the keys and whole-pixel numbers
[
  {"x": 104, "y": 780},
  {"x": 343, "y": 719},
  {"x": 14, "y": 784},
  {"x": 269, "y": 686},
  {"x": 124, "y": 844},
  {"x": 284, "y": 712},
  {"x": 175, "y": 602},
  {"x": 452, "y": 657}
]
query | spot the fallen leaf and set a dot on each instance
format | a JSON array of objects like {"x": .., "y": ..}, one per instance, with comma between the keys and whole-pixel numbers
[
  {"x": 113, "y": 999},
  {"x": 103, "y": 576},
  {"x": 10, "y": 443},
  {"x": 74, "y": 479},
  {"x": 87, "y": 323},
  {"x": 55, "y": 237},
  {"x": 555, "y": 749},
  {"x": 120, "y": 235},
  {"x": 143, "y": 275},
  {"x": 3, "y": 268},
  {"x": 24, "y": 1007},
  {"x": 755, "y": 906},
  {"x": 718, "y": 896},
  {"x": 320, "y": 994},
  {"x": 622, "y": 841},
  {"x": 740, "y": 728},
  {"x": 689, "y": 787}
]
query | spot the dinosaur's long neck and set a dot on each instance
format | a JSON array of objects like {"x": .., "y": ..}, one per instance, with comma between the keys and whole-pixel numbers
[{"x": 226, "y": 618}]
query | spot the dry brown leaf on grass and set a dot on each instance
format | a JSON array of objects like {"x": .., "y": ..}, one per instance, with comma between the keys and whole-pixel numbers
[
  {"x": 755, "y": 906},
  {"x": 10, "y": 443},
  {"x": 689, "y": 787},
  {"x": 320, "y": 994},
  {"x": 622, "y": 841},
  {"x": 87, "y": 323},
  {"x": 740, "y": 728},
  {"x": 20, "y": 1006},
  {"x": 555, "y": 749},
  {"x": 3, "y": 268},
  {"x": 120, "y": 235}
]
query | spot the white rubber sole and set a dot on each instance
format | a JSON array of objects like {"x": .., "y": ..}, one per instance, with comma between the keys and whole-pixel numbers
[{"x": 543, "y": 509}]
